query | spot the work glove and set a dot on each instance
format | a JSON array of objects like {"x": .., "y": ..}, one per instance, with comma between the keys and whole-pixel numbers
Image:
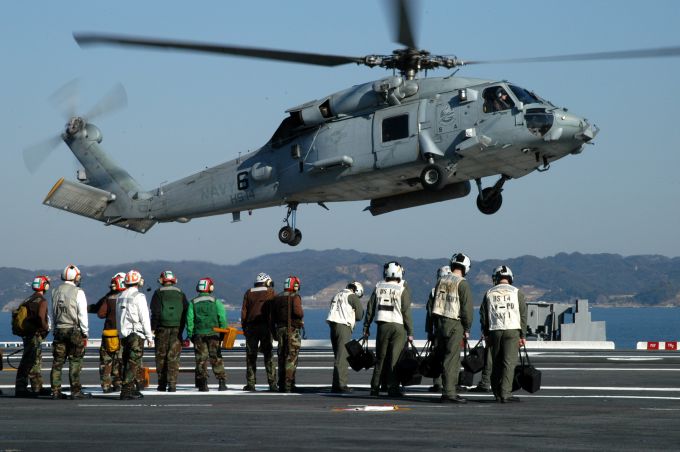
[
  {"x": 85, "y": 341},
  {"x": 467, "y": 335},
  {"x": 186, "y": 343},
  {"x": 410, "y": 338},
  {"x": 366, "y": 334}
]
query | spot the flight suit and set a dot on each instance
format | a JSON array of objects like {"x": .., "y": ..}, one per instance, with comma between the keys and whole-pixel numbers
[
  {"x": 134, "y": 327},
  {"x": 503, "y": 317},
  {"x": 429, "y": 329},
  {"x": 168, "y": 320},
  {"x": 110, "y": 362},
  {"x": 287, "y": 320},
  {"x": 37, "y": 327},
  {"x": 204, "y": 313},
  {"x": 255, "y": 319},
  {"x": 451, "y": 317},
  {"x": 69, "y": 310},
  {"x": 345, "y": 311},
  {"x": 390, "y": 306}
]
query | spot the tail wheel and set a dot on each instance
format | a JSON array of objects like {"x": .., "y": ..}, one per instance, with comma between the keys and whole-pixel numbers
[{"x": 433, "y": 177}]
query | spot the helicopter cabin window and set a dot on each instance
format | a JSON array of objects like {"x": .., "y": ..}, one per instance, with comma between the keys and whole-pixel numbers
[
  {"x": 395, "y": 128},
  {"x": 496, "y": 98}
]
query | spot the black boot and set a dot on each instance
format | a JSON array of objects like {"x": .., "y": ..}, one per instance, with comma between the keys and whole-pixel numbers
[{"x": 222, "y": 384}]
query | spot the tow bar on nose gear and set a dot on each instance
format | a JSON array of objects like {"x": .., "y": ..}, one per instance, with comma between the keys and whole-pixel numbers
[{"x": 289, "y": 234}]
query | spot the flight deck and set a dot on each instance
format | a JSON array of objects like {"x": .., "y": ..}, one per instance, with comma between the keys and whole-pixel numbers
[{"x": 594, "y": 399}]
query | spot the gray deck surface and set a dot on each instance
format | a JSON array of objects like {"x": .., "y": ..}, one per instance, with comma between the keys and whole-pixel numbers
[{"x": 613, "y": 400}]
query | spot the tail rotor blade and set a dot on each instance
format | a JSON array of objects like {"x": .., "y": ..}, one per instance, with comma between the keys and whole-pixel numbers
[
  {"x": 114, "y": 100},
  {"x": 36, "y": 154},
  {"x": 65, "y": 99}
]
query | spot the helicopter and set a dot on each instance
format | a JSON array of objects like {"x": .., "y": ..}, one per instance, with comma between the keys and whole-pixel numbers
[{"x": 400, "y": 141}]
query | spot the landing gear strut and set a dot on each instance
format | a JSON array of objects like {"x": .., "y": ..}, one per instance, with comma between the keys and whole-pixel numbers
[
  {"x": 288, "y": 234},
  {"x": 490, "y": 199}
]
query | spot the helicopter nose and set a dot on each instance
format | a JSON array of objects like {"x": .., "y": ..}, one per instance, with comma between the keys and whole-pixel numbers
[
  {"x": 588, "y": 132},
  {"x": 569, "y": 127}
]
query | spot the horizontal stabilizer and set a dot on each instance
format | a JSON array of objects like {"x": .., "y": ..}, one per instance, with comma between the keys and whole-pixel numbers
[{"x": 90, "y": 202}]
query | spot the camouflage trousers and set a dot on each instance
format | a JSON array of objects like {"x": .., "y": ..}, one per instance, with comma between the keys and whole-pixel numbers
[
  {"x": 288, "y": 350},
  {"x": 110, "y": 364},
  {"x": 168, "y": 350},
  {"x": 208, "y": 348},
  {"x": 68, "y": 343},
  {"x": 259, "y": 338},
  {"x": 29, "y": 367},
  {"x": 133, "y": 352}
]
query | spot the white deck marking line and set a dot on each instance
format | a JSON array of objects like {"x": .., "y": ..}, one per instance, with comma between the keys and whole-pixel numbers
[
  {"x": 609, "y": 388},
  {"x": 600, "y": 396}
]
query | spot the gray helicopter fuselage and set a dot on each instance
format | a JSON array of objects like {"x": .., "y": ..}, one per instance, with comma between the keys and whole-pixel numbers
[{"x": 371, "y": 141}]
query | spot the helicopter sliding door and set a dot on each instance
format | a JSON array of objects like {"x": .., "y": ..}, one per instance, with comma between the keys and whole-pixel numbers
[{"x": 395, "y": 135}]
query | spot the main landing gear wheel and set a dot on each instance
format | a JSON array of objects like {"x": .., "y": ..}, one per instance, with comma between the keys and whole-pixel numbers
[
  {"x": 488, "y": 203},
  {"x": 433, "y": 177},
  {"x": 289, "y": 234}
]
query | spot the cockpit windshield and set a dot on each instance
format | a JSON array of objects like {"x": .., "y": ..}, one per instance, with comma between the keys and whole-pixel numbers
[{"x": 524, "y": 96}]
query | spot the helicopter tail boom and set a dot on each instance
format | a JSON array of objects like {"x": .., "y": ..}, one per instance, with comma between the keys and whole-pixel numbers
[{"x": 105, "y": 192}]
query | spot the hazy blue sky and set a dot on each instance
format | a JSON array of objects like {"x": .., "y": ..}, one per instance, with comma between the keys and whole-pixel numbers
[{"x": 190, "y": 111}]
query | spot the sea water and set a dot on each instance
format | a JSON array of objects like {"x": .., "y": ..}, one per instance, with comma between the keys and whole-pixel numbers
[{"x": 625, "y": 326}]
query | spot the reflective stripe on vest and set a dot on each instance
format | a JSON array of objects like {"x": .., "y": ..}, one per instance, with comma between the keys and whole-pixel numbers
[
  {"x": 503, "y": 308},
  {"x": 388, "y": 302},
  {"x": 65, "y": 306},
  {"x": 341, "y": 311},
  {"x": 446, "y": 300}
]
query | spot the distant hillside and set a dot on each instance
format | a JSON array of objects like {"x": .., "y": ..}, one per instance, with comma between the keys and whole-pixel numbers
[{"x": 605, "y": 279}]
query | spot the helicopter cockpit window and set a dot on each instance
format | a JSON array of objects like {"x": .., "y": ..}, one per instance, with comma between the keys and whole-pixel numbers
[
  {"x": 496, "y": 98},
  {"x": 394, "y": 128},
  {"x": 524, "y": 96}
]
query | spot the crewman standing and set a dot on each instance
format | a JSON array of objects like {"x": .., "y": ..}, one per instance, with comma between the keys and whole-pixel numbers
[
  {"x": 287, "y": 320},
  {"x": 503, "y": 317},
  {"x": 255, "y": 320},
  {"x": 134, "y": 328},
  {"x": 452, "y": 318},
  {"x": 35, "y": 329},
  {"x": 110, "y": 351},
  {"x": 168, "y": 319},
  {"x": 390, "y": 306},
  {"x": 204, "y": 314},
  {"x": 345, "y": 311},
  {"x": 69, "y": 310},
  {"x": 429, "y": 326}
]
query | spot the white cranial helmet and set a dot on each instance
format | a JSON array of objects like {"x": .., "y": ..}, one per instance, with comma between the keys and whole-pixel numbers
[
  {"x": 461, "y": 261},
  {"x": 502, "y": 272},
  {"x": 393, "y": 270},
  {"x": 71, "y": 273},
  {"x": 264, "y": 279},
  {"x": 445, "y": 270},
  {"x": 358, "y": 288}
]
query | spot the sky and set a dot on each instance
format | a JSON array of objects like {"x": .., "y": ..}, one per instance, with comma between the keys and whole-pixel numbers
[{"x": 189, "y": 111}]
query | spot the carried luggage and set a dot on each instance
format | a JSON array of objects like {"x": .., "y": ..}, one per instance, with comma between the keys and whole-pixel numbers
[
  {"x": 431, "y": 364},
  {"x": 473, "y": 358},
  {"x": 526, "y": 376},
  {"x": 465, "y": 378},
  {"x": 360, "y": 357},
  {"x": 407, "y": 367}
]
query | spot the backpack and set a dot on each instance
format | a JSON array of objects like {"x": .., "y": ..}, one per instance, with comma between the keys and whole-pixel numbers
[{"x": 19, "y": 316}]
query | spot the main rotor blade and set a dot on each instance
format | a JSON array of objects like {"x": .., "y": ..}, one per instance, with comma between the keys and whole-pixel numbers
[
  {"x": 112, "y": 101},
  {"x": 659, "y": 52},
  {"x": 85, "y": 39},
  {"x": 36, "y": 154},
  {"x": 404, "y": 25},
  {"x": 65, "y": 99}
]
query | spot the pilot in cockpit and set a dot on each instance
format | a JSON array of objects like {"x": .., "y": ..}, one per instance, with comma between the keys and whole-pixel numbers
[{"x": 501, "y": 100}]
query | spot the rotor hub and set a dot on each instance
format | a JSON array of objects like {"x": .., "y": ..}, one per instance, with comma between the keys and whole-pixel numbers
[{"x": 75, "y": 125}]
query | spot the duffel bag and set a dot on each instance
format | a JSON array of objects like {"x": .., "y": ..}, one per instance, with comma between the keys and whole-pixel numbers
[
  {"x": 431, "y": 364},
  {"x": 465, "y": 378},
  {"x": 354, "y": 348},
  {"x": 407, "y": 367},
  {"x": 473, "y": 360},
  {"x": 526, "y": 377}
]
